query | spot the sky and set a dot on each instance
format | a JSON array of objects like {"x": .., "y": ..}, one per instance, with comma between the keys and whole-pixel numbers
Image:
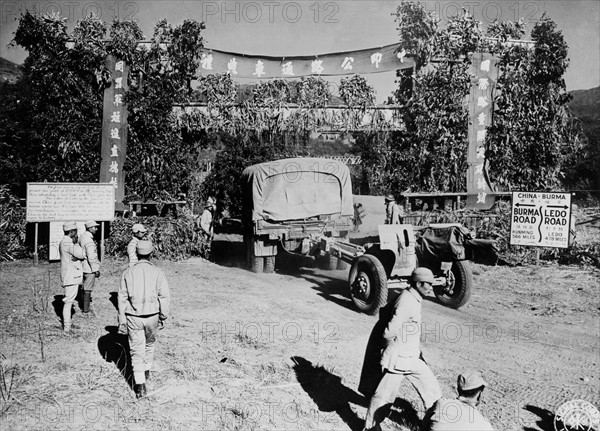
[{"x": 292, "y": 28}]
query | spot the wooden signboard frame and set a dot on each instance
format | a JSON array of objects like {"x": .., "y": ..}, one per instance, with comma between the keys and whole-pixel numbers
[{"x": 63, "y": 202}]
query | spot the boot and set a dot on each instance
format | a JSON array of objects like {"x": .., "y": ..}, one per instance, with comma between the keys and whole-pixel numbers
[
  {"x": 67, "y": 307},
  {"x": 140, "y": 390},
  {"x": 147, "y": 374},
  {"x": 87, "y": 298}
]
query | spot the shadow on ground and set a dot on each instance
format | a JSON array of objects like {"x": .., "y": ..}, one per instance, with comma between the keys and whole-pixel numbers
[
  {"x": 545, "y": 421},
  {"x": 114, "y": 348},
  {"x": 329, "y": 394},
  {"x": 229, "y": 251}
]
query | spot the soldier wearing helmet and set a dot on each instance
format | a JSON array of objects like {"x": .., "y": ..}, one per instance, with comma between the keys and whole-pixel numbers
[
  {"x": 402, "y": 357},
  {"x": 144, "y": 301},
  {"x": 393, "y": 212},
  {"x": 139, "y": 232},
  {"x": 460, "y": 414}
]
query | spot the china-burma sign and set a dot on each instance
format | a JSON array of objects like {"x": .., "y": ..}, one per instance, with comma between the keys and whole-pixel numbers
[{"x": 540, "y": 219}]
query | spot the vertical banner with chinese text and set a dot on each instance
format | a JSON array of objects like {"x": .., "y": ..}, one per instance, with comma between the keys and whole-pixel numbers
[
  {"x": 485, "y": 69},
  {"x": 114, "y": 129}
]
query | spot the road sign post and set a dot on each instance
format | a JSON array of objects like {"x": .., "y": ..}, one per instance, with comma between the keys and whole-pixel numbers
[{"x": 540, "y": 219}]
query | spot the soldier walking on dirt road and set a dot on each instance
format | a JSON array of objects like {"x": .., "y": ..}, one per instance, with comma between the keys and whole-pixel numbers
[
  {"x": 402, "y": 355},
  {"x": 143, "y": 307},
  {"x": 460, "y": 414}
]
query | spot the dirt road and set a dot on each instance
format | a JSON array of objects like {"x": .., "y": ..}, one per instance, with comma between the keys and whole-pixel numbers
[{"x": 285, "y": 350}]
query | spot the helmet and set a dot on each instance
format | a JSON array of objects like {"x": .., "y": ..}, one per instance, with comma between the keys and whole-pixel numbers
[
  {"x": 470, "y": 380},
  {"x": 144, "y": 248},
  {"x": 422, "y": 274},
  {"x": 390, "y": 198},
  {"x": 138, "y": 227}
]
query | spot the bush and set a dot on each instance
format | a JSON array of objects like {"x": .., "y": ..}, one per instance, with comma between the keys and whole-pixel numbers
[
  {"x": 173, "y": 238},
  {"x": 12, "y": 226}
]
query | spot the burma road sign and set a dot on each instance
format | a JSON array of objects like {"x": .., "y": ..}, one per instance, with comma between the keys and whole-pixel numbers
[{"x": 540, "y": 219}]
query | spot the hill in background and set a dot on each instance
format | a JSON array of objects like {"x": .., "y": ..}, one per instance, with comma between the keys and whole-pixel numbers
[{"x": 9, "y": 71}]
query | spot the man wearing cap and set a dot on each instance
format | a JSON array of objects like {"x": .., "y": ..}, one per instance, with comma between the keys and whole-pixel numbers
[
  {"x": 91, "y": 263},
  {"x": 71, "y": 271},
  {"x": 139, "y": 232},
  {"x": 460, "y": 414},
  {"x": 143, "y": 306},
  {"x": 402, "y": 358},
  {"x": 393, "y": 212}
]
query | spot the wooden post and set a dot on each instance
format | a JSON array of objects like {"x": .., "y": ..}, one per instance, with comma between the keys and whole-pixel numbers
[
  {"x": 537, "y": 256},
  {"x": 102, "y": 241},
  {"x": 35, "y": 245}
]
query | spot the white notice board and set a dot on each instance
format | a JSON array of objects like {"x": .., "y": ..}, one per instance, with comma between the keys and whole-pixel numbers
[
  {"x": 540, "y": 219},
  {"x": 70, "y": 202}
]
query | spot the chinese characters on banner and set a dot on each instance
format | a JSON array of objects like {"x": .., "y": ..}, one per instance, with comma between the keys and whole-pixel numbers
[
  {"x": 114, "y": 128},
  {"x": 383, "y": 59},
  {"x": 484, "y": 67}
]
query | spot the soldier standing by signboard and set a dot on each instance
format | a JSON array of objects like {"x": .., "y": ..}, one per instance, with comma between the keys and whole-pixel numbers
[
  {"x": 540, "y": 219},
  {"x": 91, "y": 264}
]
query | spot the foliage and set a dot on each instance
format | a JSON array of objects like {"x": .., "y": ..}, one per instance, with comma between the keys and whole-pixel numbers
[
  {"x": 532, "y": 131},
  {"x": 416, "y": 30},
  {"x": 48, "y": 132},
  {"x": 534, "y": 141},
  {"x": 12, "y": 225},
  {"x": 356, "y": 92},
  {"x": 159, "y": 162},
  {"x": 173, "y": 238}
]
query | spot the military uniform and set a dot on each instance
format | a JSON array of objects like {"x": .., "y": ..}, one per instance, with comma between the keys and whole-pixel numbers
[
  {"x": 143, "y": 302},
  {"x": 137, "y": 229},
  {"x": 71, "y": 272},
  {"x": 91, "y": 264},
  {"x": 460, "y": 414},
  {"x": 393, "y": 212},
  {"x": 402, "y": 358},
  {"x": 457, "y": 415}
]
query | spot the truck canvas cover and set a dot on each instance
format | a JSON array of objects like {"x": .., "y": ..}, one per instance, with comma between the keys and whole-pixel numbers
[{"x": 296, "y": 189}]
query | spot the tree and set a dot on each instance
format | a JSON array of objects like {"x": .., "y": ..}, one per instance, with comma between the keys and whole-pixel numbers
[
  {"x": 532, "y": 133},
  {"x": 48, "y": 132}
]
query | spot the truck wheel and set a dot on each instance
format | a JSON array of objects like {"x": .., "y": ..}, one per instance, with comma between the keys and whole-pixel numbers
[
  {"x": 255, "y": 263},
  {"x": 269, "y": 264},
  {"x": 368, "y": 284},
  {"x": 457, "y": 290},
  {"x": 329, "y": 262}
]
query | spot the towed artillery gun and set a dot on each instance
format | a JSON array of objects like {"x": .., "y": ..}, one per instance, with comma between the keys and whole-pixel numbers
[{"x": 304, "y": 206}]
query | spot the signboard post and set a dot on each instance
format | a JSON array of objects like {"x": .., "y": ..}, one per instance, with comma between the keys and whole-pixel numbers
[
  {"x": 540, "y": 219},
  {"x": 62, "y": 202}
]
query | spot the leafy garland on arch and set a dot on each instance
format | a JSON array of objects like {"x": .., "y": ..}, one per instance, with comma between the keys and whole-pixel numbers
[{"x": 282, "y": 106}]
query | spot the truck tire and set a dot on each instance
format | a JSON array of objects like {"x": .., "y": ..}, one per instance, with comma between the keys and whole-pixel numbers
[
  {"x": 368, "y": 284},
  {"x": 269, "y": 265},
  {"x": 329, "y": 262},
  {"x": 255, "y": 263},
  {"x": 460, "y": 283}
]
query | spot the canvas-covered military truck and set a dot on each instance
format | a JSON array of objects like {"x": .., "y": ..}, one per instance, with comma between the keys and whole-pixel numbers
[{"x": 287, "y": 201}]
